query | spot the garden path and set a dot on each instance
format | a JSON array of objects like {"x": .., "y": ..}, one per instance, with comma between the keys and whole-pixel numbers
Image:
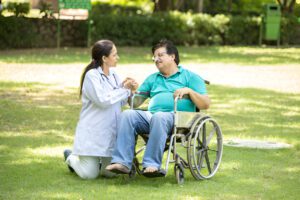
[{"x": 281, "y": 78}]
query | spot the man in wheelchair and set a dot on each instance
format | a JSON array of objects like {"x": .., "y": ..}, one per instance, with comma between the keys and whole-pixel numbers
[{"x": 161, "y": 87}]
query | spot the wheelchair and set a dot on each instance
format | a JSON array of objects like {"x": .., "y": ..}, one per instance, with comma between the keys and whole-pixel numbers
[{"x": 200, "y": 136}]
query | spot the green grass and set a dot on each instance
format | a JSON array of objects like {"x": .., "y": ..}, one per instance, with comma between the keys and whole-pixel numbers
[
  {"x": 38, "y": 121},
  {"x": 238, "y": 55}
]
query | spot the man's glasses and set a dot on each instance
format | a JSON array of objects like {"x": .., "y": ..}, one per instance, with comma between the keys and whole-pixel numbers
[{"x": 158, "y": 56}]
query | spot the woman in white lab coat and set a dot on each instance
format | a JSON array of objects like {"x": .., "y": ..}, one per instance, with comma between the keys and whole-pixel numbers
[{"x": 102, "y": 94}]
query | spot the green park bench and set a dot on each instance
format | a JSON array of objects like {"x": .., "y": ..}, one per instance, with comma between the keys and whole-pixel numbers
[{"x": 74, "y": 4}]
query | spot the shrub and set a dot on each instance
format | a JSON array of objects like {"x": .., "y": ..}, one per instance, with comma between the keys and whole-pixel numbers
[
  {"x": 290, "y": 30},
  {"x": 138, "y": 29},
  {"x": 99, "y": 8},
  {"x": 141, "y": 30},
  {"x": 16, "y": 32},
  {"x": 243, "y": 30},
  {"x": 19, "y": 9}
]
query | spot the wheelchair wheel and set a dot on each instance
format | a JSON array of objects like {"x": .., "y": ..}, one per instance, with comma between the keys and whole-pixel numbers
[
  {"x": 179, "y": 173},
  {"x": 205, "y": 146}
]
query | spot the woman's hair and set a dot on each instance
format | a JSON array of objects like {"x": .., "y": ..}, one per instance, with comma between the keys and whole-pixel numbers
[
  {"x": 170, "y": 47},
  {"x": 100, "y": 48}
]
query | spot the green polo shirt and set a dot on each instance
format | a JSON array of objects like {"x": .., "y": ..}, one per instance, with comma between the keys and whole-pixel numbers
[{"x": 160, "y": 90}]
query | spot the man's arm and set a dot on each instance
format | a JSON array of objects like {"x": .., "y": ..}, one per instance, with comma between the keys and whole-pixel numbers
[
  {"x": 138, "y": 100},
  {"x": 200, "y": 100}
]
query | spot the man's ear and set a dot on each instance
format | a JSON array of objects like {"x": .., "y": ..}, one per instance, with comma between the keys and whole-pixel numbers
[{"x": 173, "y": 56}]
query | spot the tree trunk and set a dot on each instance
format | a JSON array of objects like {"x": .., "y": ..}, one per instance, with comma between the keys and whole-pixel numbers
[
  {"x": 287, "y": 6},
  {"x": 229, "y": 6},
  {"x": 161, "y": 5},
  {"x": 291, "y": 6},
  {"x": 179, "y": 4},
  {"x": 200, "y": 6}
]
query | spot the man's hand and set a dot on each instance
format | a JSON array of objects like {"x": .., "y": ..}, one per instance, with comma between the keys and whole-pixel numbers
[
  {"x": 182, "y": 91},
  {"x": 131, "y": 84},
  {"x": 201, "y": 101}
]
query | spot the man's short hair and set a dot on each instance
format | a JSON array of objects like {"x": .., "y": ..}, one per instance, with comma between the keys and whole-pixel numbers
[{"x": 170, "y": 47}]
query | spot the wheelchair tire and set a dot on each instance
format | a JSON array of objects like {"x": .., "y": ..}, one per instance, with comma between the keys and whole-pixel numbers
[
  {"x": 179, "y": 173},
  {"x": 205, "y": 148}
]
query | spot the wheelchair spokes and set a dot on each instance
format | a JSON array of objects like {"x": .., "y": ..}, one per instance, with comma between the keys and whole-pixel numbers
[
  {"x": 204, "y": 144},
  {"x": 205, "y": 150}
]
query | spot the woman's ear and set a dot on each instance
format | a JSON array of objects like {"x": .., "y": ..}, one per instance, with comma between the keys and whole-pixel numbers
[{"x": 103, "y": 58}]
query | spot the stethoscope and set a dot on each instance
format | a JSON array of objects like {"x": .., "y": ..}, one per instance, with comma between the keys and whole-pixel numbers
[{"x": 108, "y": 81}]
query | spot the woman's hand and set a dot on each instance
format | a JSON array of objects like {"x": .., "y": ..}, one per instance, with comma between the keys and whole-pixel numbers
[{"x": 130, "y": 83}]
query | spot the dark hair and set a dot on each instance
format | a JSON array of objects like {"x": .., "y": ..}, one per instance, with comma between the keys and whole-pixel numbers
[
  {"x": 100, "y": 48},
  {"x": 170, "y": 47}
]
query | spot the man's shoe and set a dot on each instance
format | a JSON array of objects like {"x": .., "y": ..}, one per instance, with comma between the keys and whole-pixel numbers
[
  {"x": 68, "y": 152},
  {"x": 118, "y": 168}
]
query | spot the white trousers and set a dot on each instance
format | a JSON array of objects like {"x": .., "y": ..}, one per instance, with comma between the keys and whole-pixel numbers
[{"x": 87, "y": 167}]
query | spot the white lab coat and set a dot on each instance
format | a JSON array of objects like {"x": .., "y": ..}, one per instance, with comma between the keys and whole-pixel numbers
[{"x": 102, "y": 99}]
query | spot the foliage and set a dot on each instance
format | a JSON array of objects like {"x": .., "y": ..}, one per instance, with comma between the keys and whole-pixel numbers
[
  {"x": 17, "y": 32},
  {"x": 209, "y": 29},
  {"x": 46, "y": 9},
  {"x": 138, "y": 30},
  {"x": 19, "y": 9},
  {"x": 243, "y": 30},
  {"x": 291, "y": 23},
  {"x": 142, "y": 29},
  {"x": 106, "y": 8},
  {"x": 22, "y": 32}
]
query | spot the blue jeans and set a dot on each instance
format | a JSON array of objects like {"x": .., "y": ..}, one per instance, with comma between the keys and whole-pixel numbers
[{"x": 158, "y": 125}]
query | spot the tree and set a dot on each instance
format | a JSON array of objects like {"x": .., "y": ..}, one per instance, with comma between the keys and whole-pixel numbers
[
  {"x": 200, "y": 6},
  {"x": 161, "y": 5},
  {"x": 287, "y": 6}
]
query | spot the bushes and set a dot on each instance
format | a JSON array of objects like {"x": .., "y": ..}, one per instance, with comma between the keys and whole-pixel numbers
[
  {"x": 290, "y": 30},
  {"x": 243, "y": 30},
  {"x": 138, "y": 29},
  {"x": 100, "y": 8},
  {"x": 207, "y": 29},
  {"x": 183, "y": 29},
  {"x": 16, "y": 32},
  {"x": 21, "y": 32}
]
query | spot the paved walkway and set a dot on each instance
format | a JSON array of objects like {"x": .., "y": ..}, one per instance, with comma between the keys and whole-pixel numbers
[{"x": 277, "y": 78}]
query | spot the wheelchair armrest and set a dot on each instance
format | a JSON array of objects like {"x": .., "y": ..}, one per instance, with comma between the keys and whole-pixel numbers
[{"x": 136, "y": 100}]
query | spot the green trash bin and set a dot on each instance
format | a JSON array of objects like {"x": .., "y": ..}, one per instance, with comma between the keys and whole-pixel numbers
[{"x": 270, "y": 26}]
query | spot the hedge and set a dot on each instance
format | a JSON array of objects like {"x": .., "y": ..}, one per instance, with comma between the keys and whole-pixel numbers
[{"x": 183, "y": 29}]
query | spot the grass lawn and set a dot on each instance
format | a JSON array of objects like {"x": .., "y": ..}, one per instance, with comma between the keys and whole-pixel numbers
[
  {"x": 238, "y": 55},
  {"x": 37, "y": 121}
]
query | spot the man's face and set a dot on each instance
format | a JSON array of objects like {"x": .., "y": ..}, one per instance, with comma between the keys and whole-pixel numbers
[{"x": 162, "y": 59}]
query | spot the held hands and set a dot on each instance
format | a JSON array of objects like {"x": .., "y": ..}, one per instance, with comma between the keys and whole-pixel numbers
[
  {"x": 181, "y": 92},
  {"x": 130, "y": 83}
]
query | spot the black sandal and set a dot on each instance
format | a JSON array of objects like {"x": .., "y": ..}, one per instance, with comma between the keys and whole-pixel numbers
[{"x": 157, "y": 173}]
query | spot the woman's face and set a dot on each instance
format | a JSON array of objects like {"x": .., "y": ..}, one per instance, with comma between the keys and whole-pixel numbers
[{"x": 112, "y": 59}]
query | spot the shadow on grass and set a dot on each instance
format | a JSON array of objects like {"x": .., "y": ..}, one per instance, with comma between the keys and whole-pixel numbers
[
  {"x": 249, "y": 112},
  {"x": 34, "y": 131},
  {"x": 224, "y": 54},
  {"x": 240, "y": 55}
]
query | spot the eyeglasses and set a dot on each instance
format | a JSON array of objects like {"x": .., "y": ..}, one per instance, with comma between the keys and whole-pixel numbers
[{"x": 158, "y": 56}]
